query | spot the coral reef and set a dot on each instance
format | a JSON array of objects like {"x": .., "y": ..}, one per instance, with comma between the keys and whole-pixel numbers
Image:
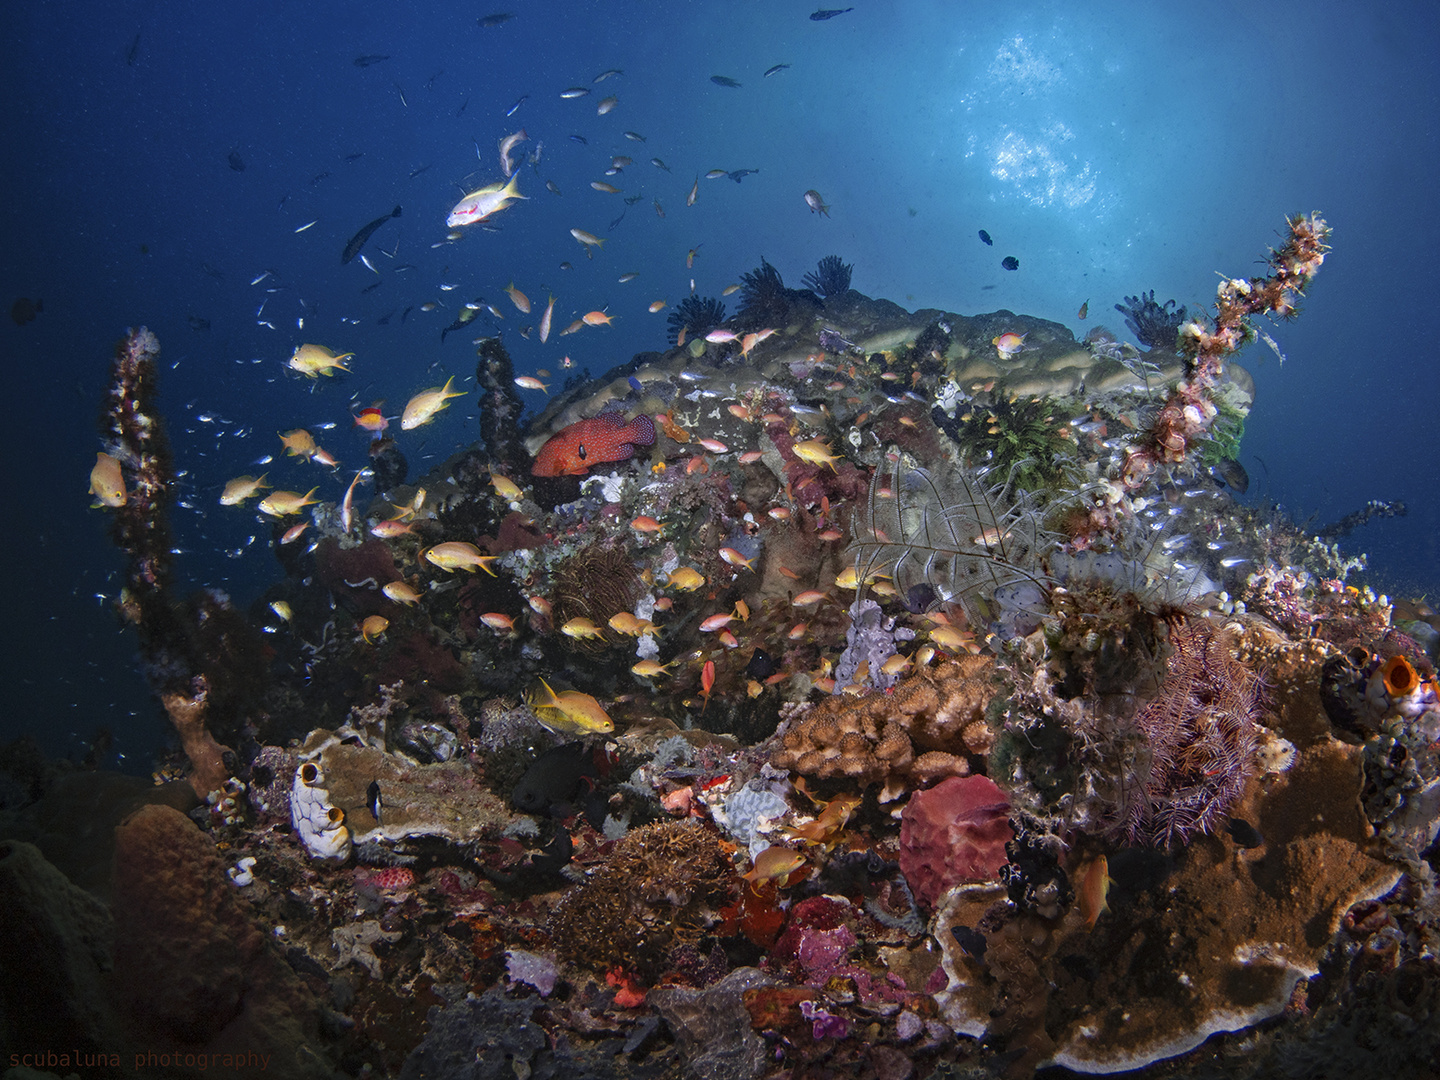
[
  {"x": 1155, "y": 325},
  {"x": 695, "y": 316},
  {"x": 874, "y": 739},
  {"x": 830, "y": 278},
  {"x": 1126, "y": 848}
]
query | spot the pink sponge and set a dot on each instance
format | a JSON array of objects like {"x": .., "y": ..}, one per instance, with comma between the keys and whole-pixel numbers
[{"x": 953, "y": 833}]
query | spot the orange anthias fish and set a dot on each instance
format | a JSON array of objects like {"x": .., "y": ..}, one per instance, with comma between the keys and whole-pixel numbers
[{"x": 573, "y": 450}]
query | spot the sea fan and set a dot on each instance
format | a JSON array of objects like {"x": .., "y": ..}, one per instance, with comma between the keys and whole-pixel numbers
[
  {"x": 830, "y": 278},
  {"x": 696, "y": 315},
  {"x": 958, "y": 532}
]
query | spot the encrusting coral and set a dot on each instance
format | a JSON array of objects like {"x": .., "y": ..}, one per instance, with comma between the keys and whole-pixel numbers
[{"x": 874, "y": 739}]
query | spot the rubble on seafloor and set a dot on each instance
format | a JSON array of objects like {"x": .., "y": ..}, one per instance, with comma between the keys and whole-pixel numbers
[{"x": 963, "y": 724}]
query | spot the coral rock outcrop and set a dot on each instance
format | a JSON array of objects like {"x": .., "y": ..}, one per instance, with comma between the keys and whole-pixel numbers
[{"x": 916, "y": 733}]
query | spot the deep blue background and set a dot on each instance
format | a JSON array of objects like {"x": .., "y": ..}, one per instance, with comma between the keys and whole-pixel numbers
[{"x": 1111, "y": 148}]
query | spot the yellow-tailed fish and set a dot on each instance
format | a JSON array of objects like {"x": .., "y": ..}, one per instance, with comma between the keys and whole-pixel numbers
[
  {"x": 422, "y": 408},
  {"x": 315, "y": 360}
]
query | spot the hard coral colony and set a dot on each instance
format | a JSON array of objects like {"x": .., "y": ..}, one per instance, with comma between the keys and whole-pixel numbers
[{"x": 836, "y": 762}]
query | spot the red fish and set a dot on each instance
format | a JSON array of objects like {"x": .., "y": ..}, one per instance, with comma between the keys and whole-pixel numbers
[{"x": 573, "y": 450}]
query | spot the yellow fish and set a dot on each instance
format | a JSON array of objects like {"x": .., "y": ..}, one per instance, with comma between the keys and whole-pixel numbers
[
  {"x": 458, "y": 555},
  {"x": 401, "y": 593},
  {"x": 315, "y": 360},
  {"x": 505, "y": 487},
  {"x": 284, "y": 503},
  {"x": 623, "y": 622},
  {"x": 569, "y": 712},
  {"x": 1093, "y": 895},
  {"x": 298, "y": 443},
  {"x": 775, "y": 863},
  {"x": 242, "y": 488},
  {"x": 373, "y": 627},
  {"x": 580, "y": 629},
  {"x": 106, "y": 482},
  {"x": 648, "y": 669},
  {"x": 422, "y": 408},
  {"x": 518, "y": 298},
  {"x": 484, "y": 202},
  {"x": 815, "y": 452},
  {"x": 282, "y": 609}
]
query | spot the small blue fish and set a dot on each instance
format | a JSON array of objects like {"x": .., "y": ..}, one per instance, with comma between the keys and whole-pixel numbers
[{"x": 636, "y": 385}]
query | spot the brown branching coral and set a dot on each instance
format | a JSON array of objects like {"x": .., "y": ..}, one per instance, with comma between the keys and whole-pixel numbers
[
  {"x": 910, "y": 735},
  {"x": 659, "y": 889},
  {"x": 1201, "y": 734}
]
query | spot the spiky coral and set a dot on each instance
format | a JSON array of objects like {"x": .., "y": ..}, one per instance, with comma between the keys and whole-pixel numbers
[
  {"x": 1152, "y": 324},
  {"x": 830, "y": 278},
  {"x": 1201, "y": 733},
  {"x": 696, "y": 316},
  {"x": 1189, "y": 411}
]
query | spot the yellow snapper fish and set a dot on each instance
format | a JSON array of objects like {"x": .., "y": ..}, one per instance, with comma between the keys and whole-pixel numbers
[
  {"x": 422, "y": 408},
  {"x": 569, "y": 712},
  {"x": 458, "y": 555},
  {"x": 242, "y": 488},
  {"x": 284, "y": 503},
  {"x": 315, "y": 360},
  {"x": 484, "y": 202},
  {"x": 106, "y": 482}
]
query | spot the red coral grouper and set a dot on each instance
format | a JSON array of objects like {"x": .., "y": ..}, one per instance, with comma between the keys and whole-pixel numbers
[{"x": 573, "y": 450}]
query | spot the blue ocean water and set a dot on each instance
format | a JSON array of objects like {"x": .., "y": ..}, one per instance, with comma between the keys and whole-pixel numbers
[{"x": 1109, "y": 147}]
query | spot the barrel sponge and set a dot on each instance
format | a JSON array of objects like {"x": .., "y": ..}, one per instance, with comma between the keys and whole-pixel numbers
[{"x": 953, "y": 833}]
